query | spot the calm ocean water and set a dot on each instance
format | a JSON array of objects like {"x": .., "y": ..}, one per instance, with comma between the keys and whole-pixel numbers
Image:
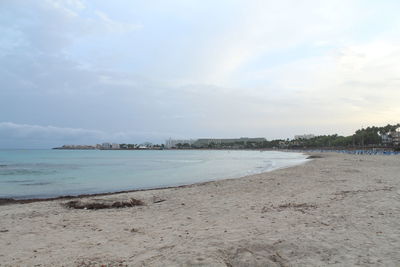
[{"x": 50, "y": 173}]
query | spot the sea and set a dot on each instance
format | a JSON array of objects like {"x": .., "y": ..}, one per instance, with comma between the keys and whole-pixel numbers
[{"x": 26, "y": 174}]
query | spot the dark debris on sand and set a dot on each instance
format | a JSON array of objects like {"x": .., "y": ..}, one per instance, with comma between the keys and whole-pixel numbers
[
  {"x": 314, "y": 157},
  {"x": 103, "y": 204}
]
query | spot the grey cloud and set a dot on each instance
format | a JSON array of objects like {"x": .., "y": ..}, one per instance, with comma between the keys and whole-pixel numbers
[
  {"x": 56, "y": 90},
  {"x": 68, "y": 65},
  {"x": 50, "y": 27}
]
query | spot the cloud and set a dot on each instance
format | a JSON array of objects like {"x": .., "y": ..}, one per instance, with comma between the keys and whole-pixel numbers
[
  {"x": 68, "y": 7},
  {"x": 134, "y": 70},
  {"x": 59, "y": 26},
  {"x": 264, "y": 28},
  {"x": 116, "y": 26},
  {"x": 355, "y": 84}
]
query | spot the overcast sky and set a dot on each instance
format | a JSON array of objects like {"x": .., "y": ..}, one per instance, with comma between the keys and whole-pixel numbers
[{"x": 83, "y": 72}]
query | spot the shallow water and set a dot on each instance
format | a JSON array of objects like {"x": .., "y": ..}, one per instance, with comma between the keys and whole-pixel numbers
[{"x": 51, "y": 173}]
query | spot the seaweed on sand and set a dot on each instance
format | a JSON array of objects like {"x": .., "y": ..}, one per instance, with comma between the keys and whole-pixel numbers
[{"x": 103, "y": 204}]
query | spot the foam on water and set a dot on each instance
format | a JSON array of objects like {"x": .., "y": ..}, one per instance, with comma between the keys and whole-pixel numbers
[{"x": 51, "y": 173}]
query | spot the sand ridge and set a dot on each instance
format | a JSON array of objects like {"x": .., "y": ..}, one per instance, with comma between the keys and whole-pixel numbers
[{"x": 339, "y": 210}]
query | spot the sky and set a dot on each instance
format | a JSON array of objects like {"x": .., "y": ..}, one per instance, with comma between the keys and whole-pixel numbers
[{"x": 127, "y": 71}]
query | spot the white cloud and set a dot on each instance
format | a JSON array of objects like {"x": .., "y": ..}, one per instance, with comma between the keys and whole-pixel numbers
[
  {"x": 68, "y": 7},
  {"x": 54, "y": 26},
  {"x": 355, "y": 84},
  {"x": 115, "y": 26},
  {"x": 264, "y": 28}
]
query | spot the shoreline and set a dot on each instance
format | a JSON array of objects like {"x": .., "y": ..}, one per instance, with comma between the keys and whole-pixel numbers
[
  {"x": 11, "y": 200},
  {"x": 311, "y": 154},
  {"x": 338, "y": 209},
  {"x": 22, "y": 200}
]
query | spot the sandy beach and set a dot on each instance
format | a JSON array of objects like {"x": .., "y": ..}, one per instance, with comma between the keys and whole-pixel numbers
[{"x": 337, "y": 210}]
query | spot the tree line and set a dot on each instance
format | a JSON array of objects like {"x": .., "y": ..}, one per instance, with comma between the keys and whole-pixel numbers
[{"x": 365, "y": 137}]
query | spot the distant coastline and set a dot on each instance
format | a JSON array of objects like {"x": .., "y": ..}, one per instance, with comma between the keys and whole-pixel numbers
[
  {"x": 94, "y": 148},
  {"x": 370, "y": 138}
]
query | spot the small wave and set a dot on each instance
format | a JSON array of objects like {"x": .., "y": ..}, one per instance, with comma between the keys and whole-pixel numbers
[
  {"x": 180, "y": 160},
  {"x": 38, "y": 183},
  {"x": 17, "y": 181},
  {"x": 67, "y": 178},
  {"x": 23, "y": 172},
  {"x": 55, "y": 165}
]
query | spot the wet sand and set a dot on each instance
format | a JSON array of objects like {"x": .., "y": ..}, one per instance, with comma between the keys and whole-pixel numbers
[{"x": 339, "y": 210}]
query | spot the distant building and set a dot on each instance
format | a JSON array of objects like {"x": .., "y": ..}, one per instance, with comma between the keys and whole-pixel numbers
[
  {"x": 171, "y": 143},
  {"x": 392, "y": 138},
  {"x": 304, "y": 136},
  {"x": 283, "y": 144},
  {"x": 106, "y": 146},
  {"x": 114, "y": 146},
  {"x": 79, "y": 147},
  {"x": 123, "y": 146},
  {"x": 387, "y": 139},
  {"x": 396, "y": 137},
  {"x": 204, "y": 142}
]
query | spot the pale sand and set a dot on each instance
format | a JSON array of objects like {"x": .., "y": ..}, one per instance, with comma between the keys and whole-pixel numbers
[{"x": 340, "y": 210}]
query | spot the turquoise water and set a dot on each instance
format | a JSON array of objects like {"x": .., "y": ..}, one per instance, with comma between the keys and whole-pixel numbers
[{"x": 51, "y": 173}]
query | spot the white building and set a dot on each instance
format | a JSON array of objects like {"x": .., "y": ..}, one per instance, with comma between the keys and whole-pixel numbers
[
  {"x": 106, "y": 146},
  {"x": 304, "y": 136},
  {"x": 114, "y": 146},
  {"x": 170, "y": 143},
  {"x": 204, "y": 142},
  {"x": 396, "y": 137},
  {"x": 386, "y": 139},
  {"x": 391, "y": 138}
]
